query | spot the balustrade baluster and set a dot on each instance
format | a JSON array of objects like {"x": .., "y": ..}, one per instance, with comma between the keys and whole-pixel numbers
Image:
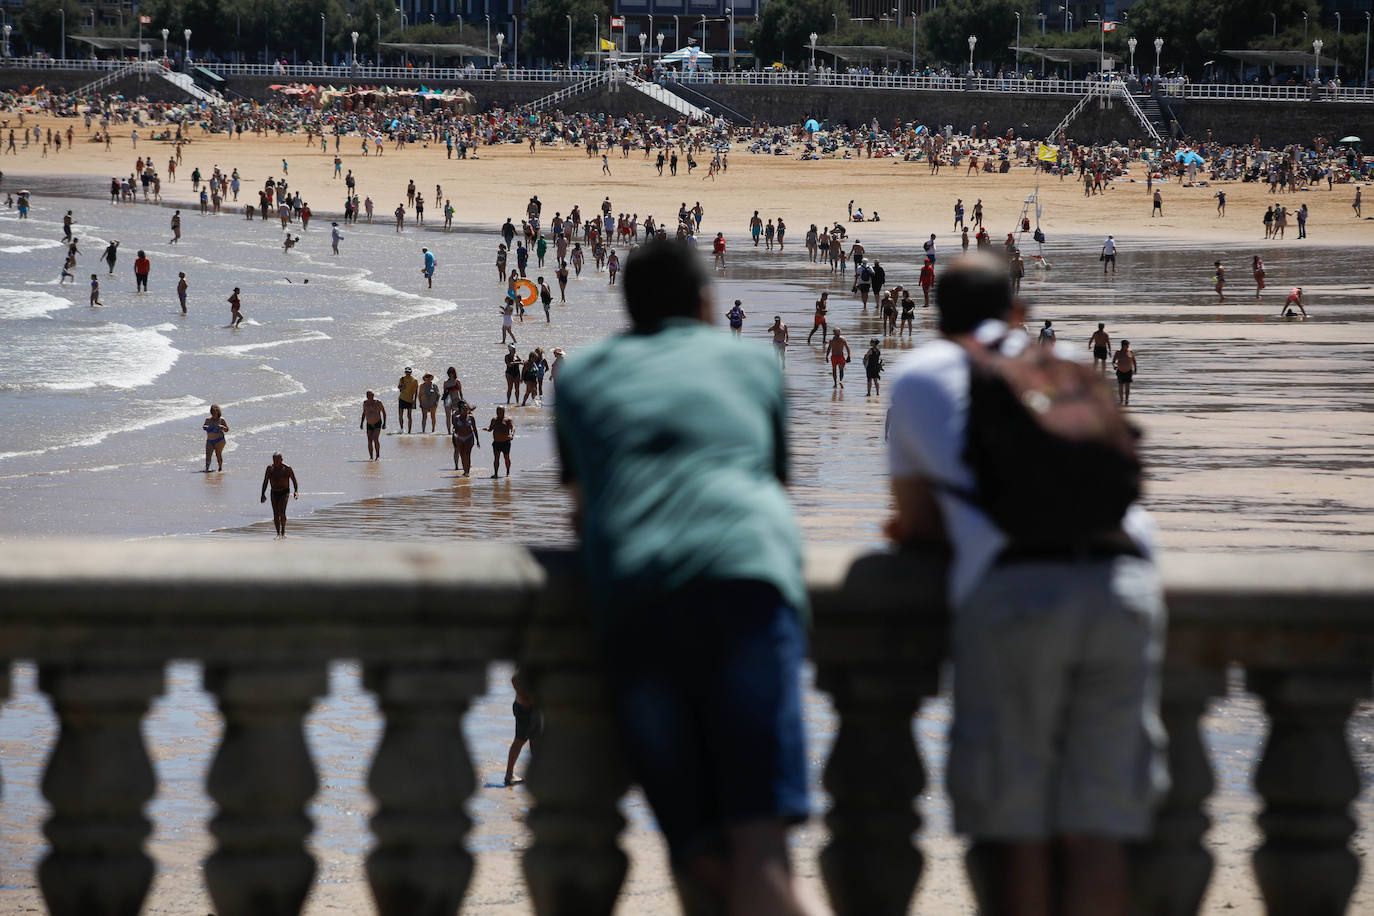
[
  {"x": 575, "y": 865},
  {"x": 1170, "y": 871},
  {"x": 871, "y": 867},
  {"x": 261, "y": 779},
  {"x": 422, "y": 777},
  {"x": 1307, "y": 780},
  {"x": 98, "y": 780}
]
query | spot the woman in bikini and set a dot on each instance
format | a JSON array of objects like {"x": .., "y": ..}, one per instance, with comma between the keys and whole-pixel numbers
[
  {"x": 453, "y": 396},
  {"x": 464, "y": 438},
  {"x": 1257, "y": 265},
  {"x": 215, "y": 428}
]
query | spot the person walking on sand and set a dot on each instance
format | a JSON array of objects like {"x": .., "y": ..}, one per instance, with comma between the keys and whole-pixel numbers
[
  {"x": 335, "y": 236},
  {"x": 502, "y": 430},
  {"x": 429, "y": 397},
  {"x": 1108, "y": 255},
  {"x": 822, "y": 307},
  {"x": 215, "y": 427},
  {"x": 529, "y": 721},
  {"x": 780, "y": 339},
  {"x": 464, "y": 435},
  {"x": 1257, "y": 268},
  {"x": 1124, "y": 362},
  {"x": 1355, "y": 205},
  {"x": 142, "y": 267},
  {"x": 235, "y": 309},
  {"x": 408, "y": 387},
  {"x": 1100, "y": 343},
  {"x": 873, "y": 368},
  {"x": 374, "y": 418},
  {"x": 1220, "y": 278},
  {"x": 1158, "y": 208},
  {"x": 282, "y": 480},
  {"x": 182, "y": 286},
  {"x": 838, "y": 350}
]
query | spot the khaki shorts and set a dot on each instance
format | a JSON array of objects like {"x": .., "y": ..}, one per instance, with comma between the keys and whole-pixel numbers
[{"x": 1056, "y": 687}]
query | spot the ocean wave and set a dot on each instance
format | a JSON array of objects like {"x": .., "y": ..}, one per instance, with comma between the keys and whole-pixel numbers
[
  {"x": 36, "y": 245},
  {"x": 76, "y": 358},
  {"x": 20, "y": 304},
  {"x": 240, "y": 349},
  {"x": 168, "y": 411}
]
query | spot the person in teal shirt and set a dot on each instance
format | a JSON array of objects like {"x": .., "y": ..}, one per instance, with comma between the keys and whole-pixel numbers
[
  {"x": 541, "y": 248},
  {"x": 673, "y": 440}
]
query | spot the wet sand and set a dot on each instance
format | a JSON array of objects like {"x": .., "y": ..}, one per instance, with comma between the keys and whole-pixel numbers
[{"x": 1258, "y": 433}]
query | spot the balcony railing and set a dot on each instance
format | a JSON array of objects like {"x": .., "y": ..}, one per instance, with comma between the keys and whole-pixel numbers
[
  {"x": 102, "y": 620},
  {"x": 422, "y": 71}
]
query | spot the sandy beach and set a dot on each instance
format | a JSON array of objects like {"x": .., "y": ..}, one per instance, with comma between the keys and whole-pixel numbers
[{"x": 1257, "y": 429}]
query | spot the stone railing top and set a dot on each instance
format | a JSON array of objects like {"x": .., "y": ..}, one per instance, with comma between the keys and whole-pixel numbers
[{"x": 161, "y": 589}]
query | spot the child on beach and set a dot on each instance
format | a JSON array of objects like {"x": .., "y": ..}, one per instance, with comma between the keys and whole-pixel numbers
[{"x": 95, "y": 292}]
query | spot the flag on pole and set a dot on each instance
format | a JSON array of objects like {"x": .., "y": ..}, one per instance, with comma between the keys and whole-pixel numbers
[
  {"x": 1047, "y": 153},
  {"x": 1109, "y": 26},
  {"x": 606, "y": 45},
  {"x": 145, "y": 20}
]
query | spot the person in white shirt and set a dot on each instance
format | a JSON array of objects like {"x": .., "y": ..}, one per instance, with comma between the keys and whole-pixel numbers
[
  {"x": 1056, "y": 748},
  {"x": 1108, "y": 255}
]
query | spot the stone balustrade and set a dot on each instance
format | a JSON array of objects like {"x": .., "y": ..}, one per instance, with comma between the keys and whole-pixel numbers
[{"x": 102, "y": 620}]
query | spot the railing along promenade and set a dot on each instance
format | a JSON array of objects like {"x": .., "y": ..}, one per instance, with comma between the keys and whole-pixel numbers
[
  {"x": 344, "y": 74},
  {"x": 102, "y": 620}
]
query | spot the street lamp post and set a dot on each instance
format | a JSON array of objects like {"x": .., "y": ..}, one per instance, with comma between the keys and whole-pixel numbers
[
  {"x": 643, "y": 40},
  {"x": 1366, "y": 50},
  {"x": 1131, "y": 43},
  {"x": 186, "y": 34},
  {"x": 1317, "y": 61},
  {"x": 515, "y": 42},
  {"x": 433, "y": 55},
  {"x": 1041, "y": 17},
  {"x": 703, "y": 34},
  {"x": 836, "y": 17},
  {"x": 972, "y": 43},
  {"x": 596, "y": 25},
  {"x": 63, "y": 10},
  {"x": 500, "y": 41},
  {"x": 488, "y": 19},
  {"x": 1159, "y": 46},
  {"x": 1304, "y": 26},
  {"x": 660, "y": 36},
  {"x": 731, "y": 14},
  {"x": 8, "y": 28},
  {"x": 165, "y": 33},
  {"x": 405, "y": 56},
  {"x": 1018, "y": 42},
  {"x": 322, "y": 21},
  {"x": 1336, "y": 51},
  {"x": 1274, "y": 24},
  {"x": 569, "y": 18},
  {"x": 814, "y": 36},
  {"x": 1065, "y": 8},
  {"x": 378, "y": 61},
  {"x": 354, "y": 36}
]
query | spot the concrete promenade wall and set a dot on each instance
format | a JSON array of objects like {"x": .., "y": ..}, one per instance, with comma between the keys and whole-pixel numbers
[{"x": 1231, "y": 121}]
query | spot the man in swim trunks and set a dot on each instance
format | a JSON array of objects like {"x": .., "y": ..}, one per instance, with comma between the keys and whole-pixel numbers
[
  {"x": 529, "y": 726},
  {"x": 409, "y": 387},
  {"x": 235, "y": 309},
  {"x": 182, "y": 286},
  {"x": 374, "y": 415},
  {"x": 502, "y": 430},
  {"x": 283, "y": 480},
  {"x": 428, "y": 269},
  {"x": 819, "y": 322},
  {"x": 839, "y": 356},
  {"x": 1101, "y": 345},
  {"x": 1124, "y": 363},
  {"x": 779, "y": 332}
]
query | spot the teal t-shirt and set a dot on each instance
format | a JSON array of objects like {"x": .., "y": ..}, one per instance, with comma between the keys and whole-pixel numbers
[{"x": 678, "y": 441}]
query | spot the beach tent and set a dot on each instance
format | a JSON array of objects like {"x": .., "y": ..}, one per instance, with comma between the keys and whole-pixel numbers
[
  {"x": 1188, "y": 157},
  {"x": 687, "y": 56}
]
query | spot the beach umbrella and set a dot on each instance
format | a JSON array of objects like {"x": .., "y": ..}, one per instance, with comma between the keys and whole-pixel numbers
[
  {"x": 813, "y": 125},
  {"x": 1351, "y": 140}
]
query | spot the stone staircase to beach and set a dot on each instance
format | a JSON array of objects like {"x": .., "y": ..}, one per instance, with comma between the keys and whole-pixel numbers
[
  {"x": 182, "y": 81},
  {"x": 664, "y": 97}
]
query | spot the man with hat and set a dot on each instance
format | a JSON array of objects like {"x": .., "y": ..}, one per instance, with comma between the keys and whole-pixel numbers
[
  {"x": 429, "y": 403},
  {"x": 409, "y": 386}
]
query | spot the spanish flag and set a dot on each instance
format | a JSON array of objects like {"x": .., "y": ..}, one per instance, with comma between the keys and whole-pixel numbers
[{"x": 1047, "y": 153}]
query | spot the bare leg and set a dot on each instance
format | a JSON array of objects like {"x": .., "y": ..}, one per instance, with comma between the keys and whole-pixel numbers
[
  {"x": 759, "y": 876},
  {"x": 511, "y": 757},
  {"x": 1094, "y": 877}
]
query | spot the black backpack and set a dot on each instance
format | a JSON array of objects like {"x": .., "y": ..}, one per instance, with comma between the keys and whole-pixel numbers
[{"x": 1036, "y": 420}]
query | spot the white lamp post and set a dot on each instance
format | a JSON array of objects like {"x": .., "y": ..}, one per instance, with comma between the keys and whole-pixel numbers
[
  {"x": 354, "y": 36},
  {"x": 643, "y": 40},
  {"x": 1159, "y": 46},
  {"x": 731, "y": 14},
  {"x": 972, "y": 43},
  {"x": 1131, "y": 43},
  {"x": 1018, "y": 42},
  {"x": 569, "y": 18},
  {"x": 63, "y": 11},
  {"x": 165, "y": 33},
  {"x": 322, "y": 21},
  {"x": 1366, "y": 50},
  {"x": 677, "y": 36},
  {"x": 814, "y": 36},
  {"x": 1041, "y": 17},
  {"x": 186, "y": 34},
  {"x": 405, "y": 56},
  {"x": 596, "y": 24},
  {"x": 378, "y": 61},
  {"x": 1317, "y": 60},
  {"x": 8, "y": 28},
  {"x": 1336, "y": 51},
  {"x": 500, "y": 41},
  {"x": 659, "y": 37}
]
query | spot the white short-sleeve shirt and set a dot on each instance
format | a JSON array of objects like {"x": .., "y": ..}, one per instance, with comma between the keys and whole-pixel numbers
[{"x": 926, "y": 438}]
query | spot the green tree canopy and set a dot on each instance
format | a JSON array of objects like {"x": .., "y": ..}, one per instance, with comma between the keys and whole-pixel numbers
[
  {"x": 784, "y": 28},
  {"x": 544, "y": 29}
]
